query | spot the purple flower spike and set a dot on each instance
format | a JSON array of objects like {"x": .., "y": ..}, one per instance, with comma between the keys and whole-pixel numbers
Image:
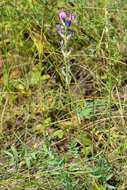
[{"x": 62, "y": 15}]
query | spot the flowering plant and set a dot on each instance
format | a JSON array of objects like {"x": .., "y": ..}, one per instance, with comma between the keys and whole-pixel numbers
[
  {"x": 65, "y": 31},
  {"x": 66, "y": 19}
]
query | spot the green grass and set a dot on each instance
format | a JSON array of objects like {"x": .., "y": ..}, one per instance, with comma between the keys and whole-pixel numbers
[{"x": 57, "y": 135}]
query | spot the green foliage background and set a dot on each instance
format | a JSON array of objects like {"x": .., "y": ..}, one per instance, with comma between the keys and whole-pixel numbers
[{"x": 51, "y": 137}]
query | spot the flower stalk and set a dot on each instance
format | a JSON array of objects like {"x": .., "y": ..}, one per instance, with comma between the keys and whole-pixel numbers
[{"x": 65, "y": 31}]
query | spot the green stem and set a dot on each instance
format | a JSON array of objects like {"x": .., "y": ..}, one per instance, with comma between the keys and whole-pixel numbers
[{"x": 66, "y": 63}]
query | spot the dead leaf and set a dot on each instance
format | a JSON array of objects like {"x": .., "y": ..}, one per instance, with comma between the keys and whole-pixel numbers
[
  {"x": 16, "y": 73},
  {"x": 75, "y": 120}
]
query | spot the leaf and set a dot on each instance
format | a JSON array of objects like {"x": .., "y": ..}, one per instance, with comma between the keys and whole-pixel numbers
[
  {"x": 38, "y": 42},
  {"x": 122, "y": 148},
  {"x": 66, "y": 125},
  {"x": 8, "y": 153},
  {"x": 39, "y": 128},
  {"x": 102, "y": 169},
  {"x": 110, "y": 187},
  {"x": 1, "y": 99},
  {"x": 42, "y": 127},
  {"x": 99, "y": 187},
  {"x": 20, "y": 87},
  {"x": 86, "y": 151},
  {"x": 15, "y": 153},
  {"x": 33, "y": 155},
  {"x": 1, "y": 60},
  {"x": 47, "y": 122},
  {"x": 85, "y": 113},
  {"x": 75, "y": 120},
  {"x": 85, "y": 140},
  {"x": 28, "y": 161},
  {"x": 6, "y": 76},
  {"x": 59, "y": 134},
  {"x": 15, "y": 74},
  {"x": 35, "y": 77},
  {"x": 45, "y": 77}
]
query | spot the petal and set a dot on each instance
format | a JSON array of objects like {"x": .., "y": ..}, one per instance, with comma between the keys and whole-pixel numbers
[
  {"x": 68, "y": 23},
  {"x": 71, "y": 17},
  {"x": 62, "y": 15}
]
